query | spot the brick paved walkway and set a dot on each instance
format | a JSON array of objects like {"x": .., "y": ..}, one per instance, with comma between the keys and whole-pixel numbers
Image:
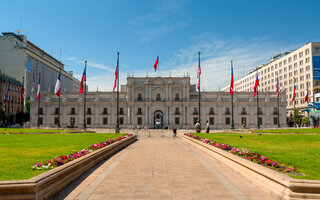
[{"x": 163, "y": 169}]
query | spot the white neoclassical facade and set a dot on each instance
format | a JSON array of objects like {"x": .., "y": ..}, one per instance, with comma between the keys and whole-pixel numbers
[{"x": 158, "y": 101}]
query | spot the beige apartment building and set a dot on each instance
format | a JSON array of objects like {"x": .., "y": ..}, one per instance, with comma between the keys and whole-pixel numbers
[
  {"x": 20, "y": 57},
  {"x": 300, "y": 66}
]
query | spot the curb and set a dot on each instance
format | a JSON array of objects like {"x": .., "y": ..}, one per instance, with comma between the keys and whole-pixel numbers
[
  {"x": 279, "y": 185},
  {"x": 49, "y": 183}
]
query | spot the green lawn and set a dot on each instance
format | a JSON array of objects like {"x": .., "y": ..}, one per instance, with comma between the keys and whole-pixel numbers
[
  {"x": 306, "y": 130},
  {"x": 301, "y": 151},
  {"x": 29, "y": 130},
  {"x": 19, "y": 152}
]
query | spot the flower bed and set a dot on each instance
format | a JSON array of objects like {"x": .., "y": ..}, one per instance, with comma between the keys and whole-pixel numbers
[
  {"x": 254, "y": 157},
  {"x": 61, "y": 160}
]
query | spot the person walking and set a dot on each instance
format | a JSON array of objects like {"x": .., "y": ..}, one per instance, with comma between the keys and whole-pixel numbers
[
  {"x": 174, "y": 130},
  {"x": 208, "y": 127},
  {"x": 198, "y": 126}
]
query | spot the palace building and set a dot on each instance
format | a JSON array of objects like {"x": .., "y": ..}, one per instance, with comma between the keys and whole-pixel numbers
[{"x": 163, "y": 102}]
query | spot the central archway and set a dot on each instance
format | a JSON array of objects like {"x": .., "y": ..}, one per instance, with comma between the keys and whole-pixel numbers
[{"x": 158, "y": 119}]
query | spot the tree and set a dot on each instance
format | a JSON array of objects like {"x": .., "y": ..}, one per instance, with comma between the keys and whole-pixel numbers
[
  {"x": 305, "y": 121},
  {"x": 27, "y": 106},
  {"x": 298, "y": 117}
]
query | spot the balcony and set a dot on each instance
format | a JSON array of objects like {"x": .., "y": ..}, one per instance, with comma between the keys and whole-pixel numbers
[
  {"x": 72, "y": 113},
  {"x": 243, "y": 112},
  {"x": 260, "y": 112},
  {"x": 195, "y": 113},
  {"x": 104, "y": 113},
  {"x": 227, "y": 112},
  {"x": 177, "y": 113},
  {"x": 139, "y": 99},
  {"x": 139, "y": 113},
  {"x": 275, "y": 112},
  {"x": 211, "y": 113}
]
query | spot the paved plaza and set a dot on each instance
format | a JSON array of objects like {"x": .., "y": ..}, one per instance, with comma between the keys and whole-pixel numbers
[{"x": 162, "y": 168}]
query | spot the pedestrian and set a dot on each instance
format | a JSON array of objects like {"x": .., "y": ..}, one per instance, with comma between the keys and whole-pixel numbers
[
  {"x": 208, "y": 127},
  {"x": 198, "y": 126},
  {"x": 174, "y": 132}
]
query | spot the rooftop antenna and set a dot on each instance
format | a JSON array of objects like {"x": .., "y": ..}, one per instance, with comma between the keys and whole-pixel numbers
[
  {"x": 60, "y": 53},
  {"x": 20, "y": 28}
]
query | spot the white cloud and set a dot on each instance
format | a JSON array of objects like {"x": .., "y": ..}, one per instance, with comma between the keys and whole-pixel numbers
[
  {"x": 71, "y": 58},
  {"x": 96, "y": 65},
  {"x": 215, "y": 62}
]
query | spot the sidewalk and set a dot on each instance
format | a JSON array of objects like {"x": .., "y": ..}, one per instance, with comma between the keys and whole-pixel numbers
[{"x": 163, "y": 169}]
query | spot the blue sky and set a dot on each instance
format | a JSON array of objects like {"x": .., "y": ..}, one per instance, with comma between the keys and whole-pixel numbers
[{"x": 247, "y": 32}]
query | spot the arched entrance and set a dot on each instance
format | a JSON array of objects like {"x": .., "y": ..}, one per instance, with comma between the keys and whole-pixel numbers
[{"x": 158, "y": 119}]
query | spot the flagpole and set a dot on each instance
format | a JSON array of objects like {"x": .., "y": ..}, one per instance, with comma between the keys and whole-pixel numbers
[
  {"x": 278, "y": 107},
  {"x": 232, "y": 122},
  {"x": 39, "y": 103},
  {"x": 294, "y": 111},
  {"x": 258, "y": 126},
  {"x": 117, "y": 127},
  {"x": 59, "y": 102},
  {"x": 84, "y": 102},
  {"x": 199, "y": 92},
  {"x": 8, "y": 102},
  {"x": 22, "y": 110},
  {"x": 158, "y": 65}
]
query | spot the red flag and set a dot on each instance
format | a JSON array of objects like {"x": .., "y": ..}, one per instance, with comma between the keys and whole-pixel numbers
[
  {"x": 277, "y": 88},
  {"x": 256, "y": 84},
  {"x": 232, "y": 81},
  {"x": 38, "y": 90},
  {"x": 198, "y": 74},
  {"x": 293, "y": 91},
  {"x": 116, "y": 78},
  {"x": 22, "y": 92},
  {"x": 307, "y": 95},
  {"x": 156, "y": 64},
  {"x": 84, "y": 78}
]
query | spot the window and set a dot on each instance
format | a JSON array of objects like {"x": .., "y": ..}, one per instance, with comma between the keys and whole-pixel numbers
[
  {"x": 40, "y": 120},
  {"x": 177, "y": 112},
  {"x": 307, "y": 51},
  {"x": 56, "y": 111},
  {"x": 89, "y": 111},
  {"x": 275, "y": 110},
  {"x": 177, "y": 98},
  {"x": 227, "y": 120},
  {"x": 105, "y": 111},
  {"x": 295, "y": 65},
  {"x": 308, "y": 76},
  {"x": 56, "y": 119},
  {"x": 89, "y": 120},
  {"x": 73, "y": 111},
  {"x": 307, "y": 60},
  {"x": 211, "y": 120},
  {"x": 308, "y": 68},
  {"x": 139, "y": 111},
  {"x": 177, "y": 121},
  {"x": 260, "y": 111},
  {"x": 295, "y": 57},
  {"x": 243, "y": 111},
  {"x": 121, "y": 120},
  {"x": 211, "y": 112},
  {"x": 275, "y": 120},
  {"x": 139, "y": 97},
  {"x": 158, "y": 98},
  {"x": 227, "y": 112},
  {"x": 121, "y": 111},
  {"x": 105, "y": 120},
  {"x": 195, "y": 111},
  {"x": 300, "y": 54},
  {"x": 260, "y": 120},
  {"x": 139, "y": 120},
  {"x": 289, "y": 60},
  {"x": 301, "y": 62},
  {"x": 40, "y": 109}
]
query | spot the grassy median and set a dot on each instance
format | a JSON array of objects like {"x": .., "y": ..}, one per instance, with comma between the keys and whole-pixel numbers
[
  {"x": 33, "y": 130},
  {"x": 19, "y": 152},
  {"x": 304, "y": 130},
  {"x": 299, "y": 150}
]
